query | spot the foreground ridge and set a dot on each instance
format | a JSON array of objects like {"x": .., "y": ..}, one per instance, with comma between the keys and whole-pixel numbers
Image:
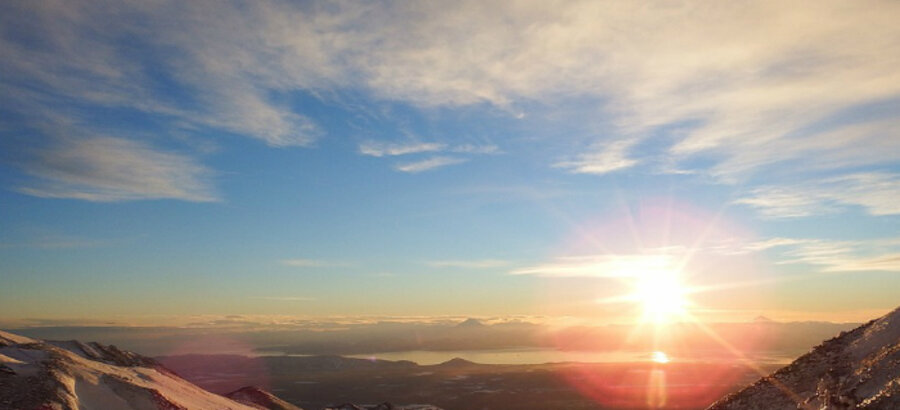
[
  {"x": 36, "y": 374},
  {"x": 71, "y": 375},
  {"x": 859, "y": 369}
]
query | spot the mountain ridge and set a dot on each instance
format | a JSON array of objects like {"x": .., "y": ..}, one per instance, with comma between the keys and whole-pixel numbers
[
  {"x": 39, "y": 375},
  {"x": 259, "y": 398},
  {"x": 858, "y": 369}
]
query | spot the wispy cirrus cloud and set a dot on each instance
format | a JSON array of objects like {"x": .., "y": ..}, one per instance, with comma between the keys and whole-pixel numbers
[
  {"x": 785, "y": 202},
  {"x": 428, "y": 164},
  {"x": 753, "y": 88},
  {"x": 469, "y": 264},
  {"x": 384, "y": 149},
  {"x": 107, "y": 169},
  {"x": 820, "y": 256},
  {"x": 829, "y": 255},
  {"x": 774, "y": 243},
  {"x": 313, "y": 263},
  {"x": 888, "y": 263},
  {"x": 185, "y": 79},
  {"x": 475, "y": 149},
  {"x": 49, "y": 239},
  {"x": 612, "y": 157},
  {"x": 602, "y": 266},
  {"x": 846, "y": 256},
  {"x": 638, "y": 61},
  {"x": 287, "y": 298},
  {"x": 875, "y": 192},
  {"x": 380, "y": 149}
]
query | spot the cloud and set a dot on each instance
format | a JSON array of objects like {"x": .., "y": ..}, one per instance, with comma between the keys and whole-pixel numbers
[
  {"x": 379, "y": 149},
  {"x": 383, "y": 149},
  {"x": 51, "y": 240},
  {"x": 287, "y": 298},
  {"x": 888, "y": 263},
  {"x": 822, "y": 257},
  {"x": 107, "y": 169},
  {"x": 830, "y": 255},
  {"x": 475, "y": 149},
  {"x": 428, "y": 164},
  {"x": 312, "y": 263},
  {"x": 774, "y": 243},
  {"x": 803, "y": 152},
  {"x": 184, "y": 78},
  {"x": 839, "y": 256},
  {"x": 875, "y": 192},
  {"x": 245, "y": 112},
  {"x": 468, "y": 264},
  {"x": 782, "y": 202},
  {"x": 752, "y": 87},
  {"x": 736, "y": 76},
  {"x": 612, "y": 157},
  {"x": 603, "y": 266}
]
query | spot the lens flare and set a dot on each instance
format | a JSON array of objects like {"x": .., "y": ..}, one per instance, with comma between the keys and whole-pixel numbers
[{"x": 662, "y": 287}]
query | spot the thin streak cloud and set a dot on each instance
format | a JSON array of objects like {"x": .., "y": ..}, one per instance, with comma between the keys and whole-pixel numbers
[
  {"x": 469, "y": 264},
  {"x": 613, "y": 157},
  {"x": 312, "y": 263},
  {"x": 106, "y": 169},
  {"x": 428, "y": 164},
  {"x": 875, "y": 192},
  {"x": 287, "y": 298},
  {"x": 838, "y": 256},
  {"x": 703, "y": 68},
  {"x": 378, "y": 149},
  {"x": 601, "y": 266}
]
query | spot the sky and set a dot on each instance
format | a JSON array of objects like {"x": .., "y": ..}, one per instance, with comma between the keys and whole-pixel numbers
[{"x": 168, "y": 159}]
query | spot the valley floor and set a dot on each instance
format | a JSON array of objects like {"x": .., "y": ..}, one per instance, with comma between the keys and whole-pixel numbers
[{"x": 315, "y": 382}]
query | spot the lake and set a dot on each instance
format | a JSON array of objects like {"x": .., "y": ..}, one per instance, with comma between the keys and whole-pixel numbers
[{"x": 539, "y": 356}]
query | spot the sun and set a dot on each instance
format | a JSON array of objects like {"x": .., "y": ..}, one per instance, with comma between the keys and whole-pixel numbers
[
  {"x": 656, "y": 288},
  {"x": 659, "y": 357},
  {"x": 662, "y": 296}
]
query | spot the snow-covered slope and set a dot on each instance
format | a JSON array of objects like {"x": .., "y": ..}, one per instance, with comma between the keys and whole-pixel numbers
[
  {"x": 859, "y": 369},
  {"x": 383, "y": 406},
  {"x": 254, "y": 396},
  {"x": 7, "y": 339},
  {"x": 73, "y": 375}
]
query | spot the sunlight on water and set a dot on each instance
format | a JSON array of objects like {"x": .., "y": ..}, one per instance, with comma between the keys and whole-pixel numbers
[
  {"x": 656, "y": 389},
  {"x": 538, "y": 356},
  {"x": 507, "y": 356}
]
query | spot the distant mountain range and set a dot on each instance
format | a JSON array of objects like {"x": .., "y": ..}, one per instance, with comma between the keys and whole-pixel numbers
[
  {"x": 859, "y": 369},
  {"x": 759, "y": 337}
]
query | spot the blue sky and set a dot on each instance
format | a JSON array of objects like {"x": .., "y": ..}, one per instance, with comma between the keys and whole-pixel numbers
[{"x": 474, "y": 158}]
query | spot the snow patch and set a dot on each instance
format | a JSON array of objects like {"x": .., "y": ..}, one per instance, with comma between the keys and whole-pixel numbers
[{"x": 9, "y": 339}]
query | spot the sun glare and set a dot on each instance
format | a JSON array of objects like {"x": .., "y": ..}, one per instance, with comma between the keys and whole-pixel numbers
[
  {"x": 662, "y": 296},
  {"x": 659, "y": 357}
]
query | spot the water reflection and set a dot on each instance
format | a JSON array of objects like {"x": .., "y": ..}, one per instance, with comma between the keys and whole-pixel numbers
[
  {"x": 656, "y": 389},
  {"x": 657, "y": 394}
]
